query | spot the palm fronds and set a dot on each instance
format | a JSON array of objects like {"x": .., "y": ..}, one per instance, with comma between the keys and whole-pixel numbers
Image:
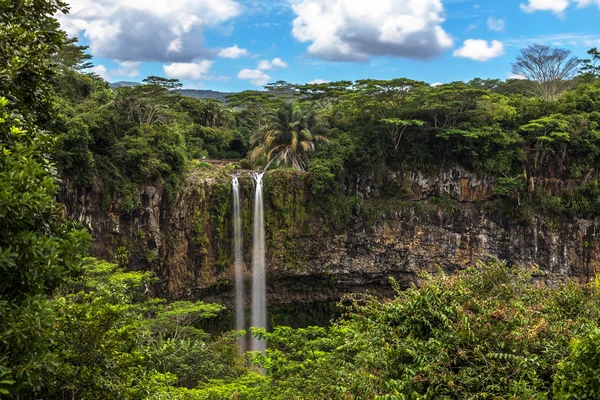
[{"x": 286, "y": 138}]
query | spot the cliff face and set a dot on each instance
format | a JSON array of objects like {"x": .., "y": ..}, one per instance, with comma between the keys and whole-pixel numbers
[{"x": 439, "y": 220}]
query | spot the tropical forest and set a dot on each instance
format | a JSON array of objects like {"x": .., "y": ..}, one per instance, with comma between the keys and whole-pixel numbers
[{"x": 372, "y": 238}]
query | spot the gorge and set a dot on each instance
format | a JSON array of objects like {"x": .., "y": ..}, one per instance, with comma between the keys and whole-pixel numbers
[
  {"x": 444, "y": 220},
  {"x": 382, "y": 238}
]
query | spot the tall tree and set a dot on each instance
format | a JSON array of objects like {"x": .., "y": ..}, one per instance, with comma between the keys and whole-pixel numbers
[
  {"x": 549, "y": 70},
  {"x": 146, "y": 104},
  {"x": 544, "y": 137},
  {"x": 29, "y": 36},
  {"x": 38, "y": 249},
  {"x": 253, "y": 107},
  {"x": 286, "y": 138},
  {"x": 392, "y": 102},
  {"x": 590, "y": 67}
]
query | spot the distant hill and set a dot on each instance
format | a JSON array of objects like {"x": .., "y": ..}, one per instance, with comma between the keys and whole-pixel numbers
[
  {"x": 205, "y": 94},
  {"x": 115, "y": 85},
  {"x": 195, "y": 93}
]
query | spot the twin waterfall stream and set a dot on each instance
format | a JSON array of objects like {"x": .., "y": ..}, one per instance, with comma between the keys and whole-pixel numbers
[{"x": 259, "y": 288}]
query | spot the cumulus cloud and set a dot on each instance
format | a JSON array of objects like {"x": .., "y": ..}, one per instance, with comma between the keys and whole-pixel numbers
[
  {"x": 140, "y": 30},
  {"x": 480, "y": 50},
  {"x": 193, "y": 70},
  {"x": 233, "y": 52},
  {"x": 585, "y": 3},
  {"x": 101, "y": 71},
  {"x": 130, "y": 69},
  {"x": 255, "y": 76},
  {"x": 258, "y": 76},
  {"x": 496, "y": 24},
  {"x": 515, "y": 76},
  {"x": 275, "y": 63},
  {"x": 354, "y": 30},
  {"x": 555, "y": 6},
  {"x": 125, "y": 69}
]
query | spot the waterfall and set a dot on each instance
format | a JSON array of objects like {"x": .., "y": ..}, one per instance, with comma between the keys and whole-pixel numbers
[
  {"x": 238, "y": 262},
  {"x": 259, "y": 289}
]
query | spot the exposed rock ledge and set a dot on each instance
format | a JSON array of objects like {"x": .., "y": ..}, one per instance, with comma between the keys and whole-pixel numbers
[{"x": 187, "y": 243}]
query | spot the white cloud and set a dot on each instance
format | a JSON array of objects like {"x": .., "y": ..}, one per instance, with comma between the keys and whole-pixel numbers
[
  {"x": 496, "y": 24},
  {"x": 101, "y": 71},
  {"x": 194, "y": 70},
  {"x": 275, "y": 63},
  {"x": 142, "y": 30},
  {"x": 233, "y": 52},
  {"x": 480, "y": 50},
  {"x": 585, "y": 3},
  {"x": 515, "y": 76},
  {"x": 584, "y": 41},
  {"x": 556, "y": 6},
  {"x": 264, "y": 64},
  {"x": 126, "y": 69},
  {"x": 258, "y": 76},
  {"x": 130, "y": 69},
  {"x": 354, "y": 30},
  {"x": 317, "y": 81},
  {"x": 255, "y": 76}
]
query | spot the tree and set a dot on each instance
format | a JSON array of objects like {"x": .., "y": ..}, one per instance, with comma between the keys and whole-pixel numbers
[
  {"x": 163, "y": 83},
  {"x": 286, "y": 138},
  {"x": 544, "y": 137},
  {"x": 29, "y": 37},
  {"x": 253, "y": 107},
  {"x": 116, "y": 342},
  {"x": 282, "y": 89},
  {"x": 578, "y": 376},
  {"x": 147, "y": 104},
  {"x": 451, "y": 103},
  {"x": 391, "y": 102},
  {"x": 489, "y": 332},
  {"x": 550, "y": 71},
  {"x": 207, "y": 112},
  {"x": 591, "y": 66},
  {"x": 39, "y": 250},
  {"x": 488, "y": 84},
  {"x": 72, "y": 56}
]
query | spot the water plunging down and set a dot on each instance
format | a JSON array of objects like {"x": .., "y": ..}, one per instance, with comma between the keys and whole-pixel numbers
[
  {"x": 259, "y": 289},
  {"x": 238, "y": 262}
]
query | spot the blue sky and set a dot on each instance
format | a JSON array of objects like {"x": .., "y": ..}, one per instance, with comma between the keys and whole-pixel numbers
[{"x": 233, "y": 45}]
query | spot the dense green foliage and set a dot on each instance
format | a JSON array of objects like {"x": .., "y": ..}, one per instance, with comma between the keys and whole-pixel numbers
[
  {"x": 119, "y": 139},
  {"x": 71, "y": 327},
  {"x": 76, "y": 327},
  {"x": 39, "y": 250},
  {"x": 129, "y": 136},
  {"x": 374, "y": 129},
  {"x": 115, "y": 342},
  {"x": 495, "y": 332},
  {"x": 487, "y": 333}
]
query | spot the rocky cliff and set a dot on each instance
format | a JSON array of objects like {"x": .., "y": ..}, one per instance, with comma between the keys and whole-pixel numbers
[{"x": 410, "y": 223}]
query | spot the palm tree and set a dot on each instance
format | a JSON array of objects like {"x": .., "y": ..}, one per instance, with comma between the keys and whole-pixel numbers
[{"x": 286, "y": 137}]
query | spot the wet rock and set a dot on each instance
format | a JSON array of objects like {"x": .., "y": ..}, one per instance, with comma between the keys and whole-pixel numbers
[{"x": 309, "y": 262}]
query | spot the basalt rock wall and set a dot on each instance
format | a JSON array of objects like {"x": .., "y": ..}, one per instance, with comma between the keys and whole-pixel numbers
[{"x": 422, "y": 223}]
